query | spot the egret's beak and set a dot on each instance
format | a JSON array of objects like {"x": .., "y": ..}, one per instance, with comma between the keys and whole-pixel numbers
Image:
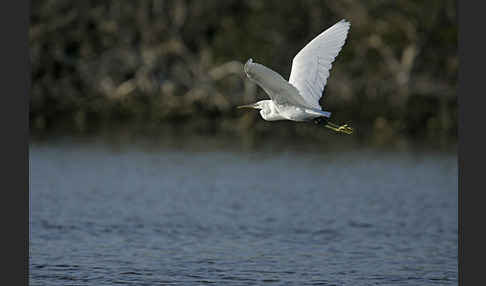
[{"x": 248, "y": 106}]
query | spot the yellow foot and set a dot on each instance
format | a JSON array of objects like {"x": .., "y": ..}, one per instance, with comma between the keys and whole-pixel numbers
[{"x": 342, "y": 129}]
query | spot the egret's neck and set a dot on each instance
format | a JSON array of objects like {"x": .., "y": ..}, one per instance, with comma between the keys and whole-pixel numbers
[{"x": 269, "y": 111}]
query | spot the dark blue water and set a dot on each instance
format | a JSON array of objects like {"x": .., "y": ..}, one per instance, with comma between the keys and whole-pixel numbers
[{"x": 103, "y": 216}]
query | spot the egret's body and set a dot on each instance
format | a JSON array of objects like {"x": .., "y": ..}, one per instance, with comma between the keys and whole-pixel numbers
[{"x": 298, "y": 98}]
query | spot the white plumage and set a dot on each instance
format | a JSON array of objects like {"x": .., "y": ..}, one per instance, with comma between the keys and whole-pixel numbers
[
  {"x": 298, "y": 98},
  {"x": 310, "y": 67}
]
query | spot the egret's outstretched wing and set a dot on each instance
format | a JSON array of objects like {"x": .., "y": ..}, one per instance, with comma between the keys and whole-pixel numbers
[
  {"x": 310, "y": 67},
  {"x": 277, "y": 88}
]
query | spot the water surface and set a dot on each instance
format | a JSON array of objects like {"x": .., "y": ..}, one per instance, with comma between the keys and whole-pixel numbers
[{"x": 135, "y": 216}]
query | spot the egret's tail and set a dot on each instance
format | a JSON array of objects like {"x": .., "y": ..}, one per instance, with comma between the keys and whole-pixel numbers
[
  {"x": 318, "y": 112},
  {"x": 326, "y": 113}
]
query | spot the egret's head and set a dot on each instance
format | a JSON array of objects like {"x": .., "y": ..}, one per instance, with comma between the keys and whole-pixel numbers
[{"x": 267, "y": 109}]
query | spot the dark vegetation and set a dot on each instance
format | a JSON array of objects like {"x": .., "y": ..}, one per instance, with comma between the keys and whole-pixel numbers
[{"x": 148, "y": 66}]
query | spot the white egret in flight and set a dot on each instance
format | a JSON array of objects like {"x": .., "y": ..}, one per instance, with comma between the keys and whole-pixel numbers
[{"x": 298, "y": 98}]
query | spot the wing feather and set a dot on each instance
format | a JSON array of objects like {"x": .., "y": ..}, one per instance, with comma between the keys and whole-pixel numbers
[
  {"x": 277, "y": 88},
  {"x": 310, "y": 67}
]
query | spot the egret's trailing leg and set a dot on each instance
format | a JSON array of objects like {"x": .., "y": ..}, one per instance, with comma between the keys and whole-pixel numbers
[
  {"x": 343, "y": 128},
  {"x": 338, "y": 128}
]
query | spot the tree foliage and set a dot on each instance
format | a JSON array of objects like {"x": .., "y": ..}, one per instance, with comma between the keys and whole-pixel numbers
[{"x": 176, "y": 60}]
